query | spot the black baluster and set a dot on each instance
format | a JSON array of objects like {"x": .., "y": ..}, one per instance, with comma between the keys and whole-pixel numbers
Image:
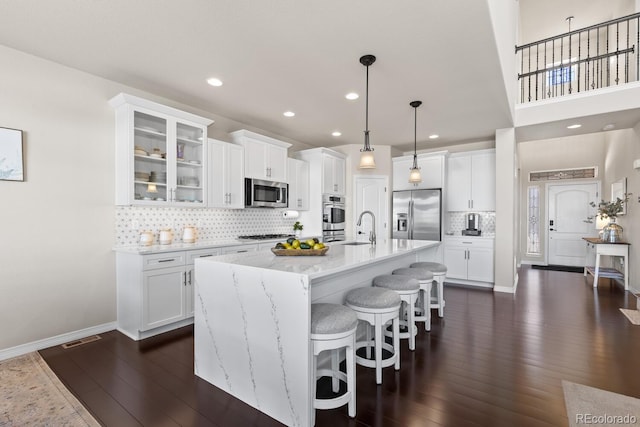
[
  {"x": 552, "y": 85},
  {"x": 520, "y": 76},
  {"x": 626, "y": 58},
  {"x": 597, "y": 64},
  {"x": 598, "y": 71},
  {"x": 529, "y": 78},
  {"x": 544, "y": 80},
  {"x": 579, "y": 63},
  {"x": 617, "y": 50},
  {"x": 561, "y": 69},
  {"x": 608, "y": 81},
  {"x": 570, "y": 76},
  {"x": 537, "y": 68}
]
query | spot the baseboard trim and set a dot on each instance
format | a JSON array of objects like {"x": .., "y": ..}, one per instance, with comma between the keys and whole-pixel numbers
[{"x": 19, "y": 350}]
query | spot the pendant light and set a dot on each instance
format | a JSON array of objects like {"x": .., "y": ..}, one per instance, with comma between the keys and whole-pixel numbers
[
  {"x": 367, "y": 161},
  {"x": 414, "y": 175}
]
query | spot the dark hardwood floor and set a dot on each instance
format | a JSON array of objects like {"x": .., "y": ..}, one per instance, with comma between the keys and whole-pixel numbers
[{"x": 493, "y": 360}]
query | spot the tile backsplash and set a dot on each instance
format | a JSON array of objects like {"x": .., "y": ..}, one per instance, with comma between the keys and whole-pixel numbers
[
  {"x": 456, "y": 222},
  {"x": 211, "y": 224}
]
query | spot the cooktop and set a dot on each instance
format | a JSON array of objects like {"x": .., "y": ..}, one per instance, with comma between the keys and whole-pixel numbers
[{"x": 264, "y": 236}]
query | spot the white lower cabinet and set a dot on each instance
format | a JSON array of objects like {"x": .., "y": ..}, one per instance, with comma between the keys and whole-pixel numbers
[
  {"x": 163, "y": 297},
  {"x": 155, "y": 292},
  {"x": 469, "y": 260}
]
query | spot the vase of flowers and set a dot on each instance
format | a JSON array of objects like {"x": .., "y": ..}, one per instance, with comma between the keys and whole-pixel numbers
[
  {"x": 297, "y": 228},
  {"x": 612, "y": 232}
]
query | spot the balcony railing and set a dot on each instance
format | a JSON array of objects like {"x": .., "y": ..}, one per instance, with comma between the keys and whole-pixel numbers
[{"x": 590, "y": 58}]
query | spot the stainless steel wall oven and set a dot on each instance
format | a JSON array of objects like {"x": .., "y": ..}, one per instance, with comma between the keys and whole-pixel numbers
[{"x": 333, "y": 218}]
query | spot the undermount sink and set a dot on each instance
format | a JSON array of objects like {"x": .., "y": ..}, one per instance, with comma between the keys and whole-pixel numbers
[{"x": 357, "y": 243}]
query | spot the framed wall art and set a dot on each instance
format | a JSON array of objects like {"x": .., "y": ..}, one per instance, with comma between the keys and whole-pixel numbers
[{"x": 11, "y": 161}]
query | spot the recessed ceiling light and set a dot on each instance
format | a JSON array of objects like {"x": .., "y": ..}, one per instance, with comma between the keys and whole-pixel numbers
[
  {"x": 336, "y": 133},
  {"x": 576, "y": 126},
  {"x": 214, "y": 82},
  {"x": 351, "y": 96},
  {"x": 609, "y": 126},
  {"x": 434, "y": 136},
  {"x": 289, "y": 114}
]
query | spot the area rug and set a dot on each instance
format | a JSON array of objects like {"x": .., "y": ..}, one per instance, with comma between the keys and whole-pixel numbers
[
  {"x": 566, "y": 268},
  {"x": 592, "y": 406},
  {"x": 32, "y": 395},
  {"x": 632, "y": 315}
]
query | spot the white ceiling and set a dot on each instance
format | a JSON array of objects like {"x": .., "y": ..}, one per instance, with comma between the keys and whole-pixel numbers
[{"x": 283, "y": 55}]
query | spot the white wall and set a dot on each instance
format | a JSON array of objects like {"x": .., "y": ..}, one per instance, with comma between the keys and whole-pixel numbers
[
  {"x": 506, "y": 276},
  {"x": 622, "y": 148},
  {"x": 57, "y": 269},
  {"x": 504, "y": 17}
]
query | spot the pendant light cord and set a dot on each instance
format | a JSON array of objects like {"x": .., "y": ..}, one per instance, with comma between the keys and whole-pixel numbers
[
  {"x": 415, "y": 105},
  {"x": 366, "y": 109},
  {"x": 367, "y": 60}
]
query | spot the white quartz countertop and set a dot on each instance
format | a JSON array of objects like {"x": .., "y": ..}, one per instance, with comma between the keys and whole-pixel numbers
[
  {"x": 204, "y": 244},
  {"x": 339, "y": 257}
]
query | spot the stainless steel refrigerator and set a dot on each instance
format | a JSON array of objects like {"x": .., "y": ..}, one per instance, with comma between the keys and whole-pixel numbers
[{"x": 416, "y": 214}]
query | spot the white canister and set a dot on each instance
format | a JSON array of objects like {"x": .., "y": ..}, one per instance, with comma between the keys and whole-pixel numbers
[
  {"x": 146, "y": 238},
  {"x": 189, "y": 235},
  {"x": 166, "y": 236}
]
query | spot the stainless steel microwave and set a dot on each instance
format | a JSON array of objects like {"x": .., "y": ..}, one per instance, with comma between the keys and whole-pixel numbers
[{"x": 265, "y": 194}]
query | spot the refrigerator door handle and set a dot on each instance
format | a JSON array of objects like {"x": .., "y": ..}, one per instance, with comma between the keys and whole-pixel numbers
[{"x": 410, "y": 234}]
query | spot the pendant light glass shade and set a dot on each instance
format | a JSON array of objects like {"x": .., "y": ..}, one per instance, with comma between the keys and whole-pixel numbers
[
  {"x": 415, "y": 177},
  {"x": 367, "y": 160}
]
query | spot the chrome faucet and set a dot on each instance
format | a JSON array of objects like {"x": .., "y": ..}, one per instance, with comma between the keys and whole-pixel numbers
[{"x": 372, "y": 235}]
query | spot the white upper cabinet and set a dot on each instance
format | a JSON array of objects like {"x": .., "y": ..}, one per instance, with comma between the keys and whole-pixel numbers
[
  {"x": 226, "y": 175},
  {"x": 333, "y": 174},
  {"x": 266, "y": 158},
  {"x": 160, "y": 154},
  {"x": 298, "y": 184},
  {"x": 328, "y": 170},
  {"x": 432, "y": 167},
  {"x": 471, "y": 181}
]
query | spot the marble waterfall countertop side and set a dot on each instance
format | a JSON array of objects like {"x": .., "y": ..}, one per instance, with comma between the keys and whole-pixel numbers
[{"x": 252, "y": 318}]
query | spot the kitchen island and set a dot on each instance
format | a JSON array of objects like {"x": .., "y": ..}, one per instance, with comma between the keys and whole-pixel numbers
[{"x": 252, "y": 317}]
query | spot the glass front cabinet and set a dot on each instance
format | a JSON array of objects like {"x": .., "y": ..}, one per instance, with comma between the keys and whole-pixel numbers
[{"x": 160, "y": 154}]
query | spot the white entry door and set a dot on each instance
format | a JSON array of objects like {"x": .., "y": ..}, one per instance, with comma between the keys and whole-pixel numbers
[
  {"x": 568, "y": 208},
  {"x": 371, "y": 195}
]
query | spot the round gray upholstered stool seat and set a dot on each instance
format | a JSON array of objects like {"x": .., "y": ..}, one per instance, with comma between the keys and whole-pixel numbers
[
  {"x": 439, "y": 274},
  {"x": 333, "y": 327},
  {"x": 408, "y": 289},
  {"x": 425, "y": 278},
  {"x": 377, "y": 306}
]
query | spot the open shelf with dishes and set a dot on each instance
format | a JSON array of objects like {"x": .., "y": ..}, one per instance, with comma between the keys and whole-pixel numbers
[{"x": 160, "y": 154}]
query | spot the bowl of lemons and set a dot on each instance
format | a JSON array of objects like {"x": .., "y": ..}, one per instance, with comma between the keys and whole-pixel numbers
[{"x": 295, "y": 247}]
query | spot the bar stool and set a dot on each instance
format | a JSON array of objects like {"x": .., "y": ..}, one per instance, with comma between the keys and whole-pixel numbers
[
  {"x": 425, "y": 278},
  {"x": 377, "y": 306},
  {"x": 333, "y": 326},
  {"x": 408, "y": 289},
  {"x": 439, "y": 274}
]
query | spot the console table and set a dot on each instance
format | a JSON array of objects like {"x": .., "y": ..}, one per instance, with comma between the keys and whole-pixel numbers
[{"x": 601, "y": 247}]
